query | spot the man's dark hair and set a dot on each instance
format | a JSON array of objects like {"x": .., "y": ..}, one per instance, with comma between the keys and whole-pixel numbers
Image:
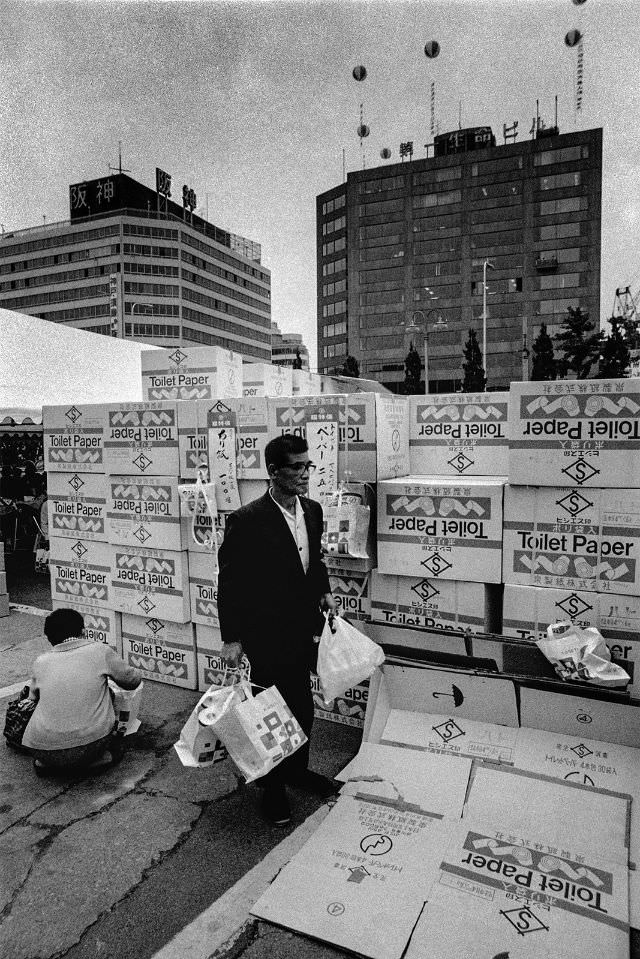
[
  {"x": 278, "y": 450},
  {"x": 62, "y": 624}
]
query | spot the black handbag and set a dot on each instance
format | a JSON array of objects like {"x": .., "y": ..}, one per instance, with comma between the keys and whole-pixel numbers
[{"x": 19, "y": 712}]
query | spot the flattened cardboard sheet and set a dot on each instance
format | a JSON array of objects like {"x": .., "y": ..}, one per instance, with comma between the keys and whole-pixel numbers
[
  {"x": 608, "y": 722},
  {"x": 436, "y": 783},
  {"x": 459, "y": 737},
  {"x": 565, "y": 814},
  {"x": 481, "y": 698},
  {"x": 499, "y": 896},
  {"x": 361, "y": 880},
  {"x": 591, "y": 763}
]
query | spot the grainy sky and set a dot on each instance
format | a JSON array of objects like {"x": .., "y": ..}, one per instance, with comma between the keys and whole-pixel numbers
[{"x": 253, "y": 103}]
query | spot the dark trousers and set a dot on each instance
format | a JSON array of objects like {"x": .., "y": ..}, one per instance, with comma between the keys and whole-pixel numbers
[{"x": 293, "y": 681}]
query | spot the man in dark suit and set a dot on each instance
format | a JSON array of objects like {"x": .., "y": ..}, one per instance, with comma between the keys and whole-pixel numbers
[{"x": 272, "y": 589}]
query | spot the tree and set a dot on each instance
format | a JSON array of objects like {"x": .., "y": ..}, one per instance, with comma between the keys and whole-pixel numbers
[
  {"x": 412, "y": 371},
  {"x": 474, "y": 375},
  {"x": 351, "y": 367},
  {"x": 614, "y": 352},
  {"x": 297, "y": 362},
  {"x": 543, "y": 364},
  {"x": 579, "y": 342}
]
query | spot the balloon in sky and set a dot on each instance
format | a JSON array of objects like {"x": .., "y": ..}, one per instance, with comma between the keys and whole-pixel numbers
[
  {"x": 573, "y": 38},
  {"x": 432, "y": 49},
  {"x": 579, "y": 3},
  {"x": 385, "y": 153},
  {"x": 363, "y": 130},
  {"x": 359, "y": 73}
]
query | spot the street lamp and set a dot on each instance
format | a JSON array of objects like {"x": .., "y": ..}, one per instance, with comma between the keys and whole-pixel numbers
[
  {"x": 413, "y": 328},
  {"x": 485, "y": 265}
]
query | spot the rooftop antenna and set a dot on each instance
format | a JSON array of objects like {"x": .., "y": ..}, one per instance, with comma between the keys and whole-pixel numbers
[
  {"x": 344, "y": 166},
  {"x": 119, "y": 168},
  {"x": 459, "y": 114},
  {"x": 556, "y": 120}
]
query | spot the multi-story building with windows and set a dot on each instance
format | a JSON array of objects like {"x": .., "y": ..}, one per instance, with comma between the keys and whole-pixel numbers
[
  {"x": 131, "y": 263},
  {"x": 286, "y": 347},
  {"x": 406, "y": 245}
]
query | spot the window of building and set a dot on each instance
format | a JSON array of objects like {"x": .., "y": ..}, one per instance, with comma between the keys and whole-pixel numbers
[
  {"x": 559, "y": 281},
  {"x": 496, "y": 214},
  {"x": 330, "y": 289},
  {"x": 567, "y": 204},
  {"x": 334, "y": 246},
  {"x": 559, "y": 180},
  {"x": 394, "y": 252},
  {"x": 335, "y": 329},
  {"x": 334, "y": 309},
  {"x": 437, "y": 199},
  {"x": 377, "y": 299},
  {"x": 558, "y": 231},
  {"x": 374, "y": 208},
  {"x": 335, "y": 266},
  {"x": 558, "y": 306},
  {"x": 496, "y": 190},
  {"x": 379, "y": 184},
  {"x": 564, "y": 155},
  {"x": 441, "y": 175},
  {"x": 336, "y": 203},
  {"x": 489, "y": 167},
  {"x": 332, "y": 226}
]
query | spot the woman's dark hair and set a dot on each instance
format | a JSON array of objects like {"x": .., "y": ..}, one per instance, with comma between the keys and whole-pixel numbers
[
  {"x": 277, "y": 450},
  {"x": 62, "y": 624}
]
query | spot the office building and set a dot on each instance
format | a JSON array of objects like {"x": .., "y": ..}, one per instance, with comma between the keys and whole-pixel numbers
[
  {"x": 131, "y": 263},
  {"x": 286, "y": 347},
  {"x": 405, "y": 245}
]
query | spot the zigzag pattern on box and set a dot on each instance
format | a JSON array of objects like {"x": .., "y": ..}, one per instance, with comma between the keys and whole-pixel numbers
[
  {"x": 157, "y": 666},
  {"x": 141, "y": 418},
  {"x": 145, "y": 563},
  {"x": 141, "y": 492},
  {"x": 78, "y": 523}
]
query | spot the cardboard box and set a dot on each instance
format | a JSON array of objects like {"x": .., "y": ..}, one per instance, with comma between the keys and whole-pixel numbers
[
  {"x": 459, "y": 434},
  {"x": 3, "y": 584},
  {"x": 145, "y": 511},
  {"x": 577, "y": 433},
  {"x": 203, "y": 589},
  {"x": 211, "y": 666},
  {"x": 351, "y": 589},
  {"x": 457, "y": 736},
  {"x": 100, "y": 625},
  {"x": 500, "y": 897},
  {"x": 142, "y": 438},
  {"x": 572, "y": 539},
  {"x": 431, "y": 640},
  {"x": 361, "y": 880},
  {"x": 441, "y": 528},
  {"x": 81, "y": 572},
  {"x": 163, "y": 651},
  {"x": 73, "y": 438},
  {"x": 427, "y": 603},
  {"x": 248, "y": 416},
  {"x": 305, "y": 383},
  {"x": 150, "y": 582},
  {"x": 373, "y": 430},
  {"x": 191, "y": 373},
  {"x": 351, "y": 384},
  {"x": 77, "y": 505},
  {"x": 528, "y": 610},
  {"x": 346, "y": 710},
  {"x": 266, "y": 379},
  {"x": 577, "y": 715},
  {"x": 4, "y": 604}
]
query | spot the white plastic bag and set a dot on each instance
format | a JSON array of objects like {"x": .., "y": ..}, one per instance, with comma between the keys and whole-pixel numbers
[
  {"x": 345, "y": 658},
  {"x": 198, "y": 500},
  {"x": 258, "y": 731},
  {"x": 199, "y": 744},
  {"x": 126, "y": 705},
  {"x": 581, "y": 654}
]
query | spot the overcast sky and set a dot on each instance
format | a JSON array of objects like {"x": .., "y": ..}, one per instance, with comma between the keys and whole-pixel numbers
[{"x": 253, "y": 103}]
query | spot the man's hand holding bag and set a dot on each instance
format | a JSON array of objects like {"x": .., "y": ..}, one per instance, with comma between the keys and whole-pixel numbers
[{"x": 346, "y": 657}]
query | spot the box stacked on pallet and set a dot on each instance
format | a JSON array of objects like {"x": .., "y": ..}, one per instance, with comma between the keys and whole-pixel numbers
[
  {"x": 266, "y": 379},
  {"x": 149, "y": 563},
  {"x": 572, "y": 511},
  {"x": 80, "y": 554},
  {"x": 191, "y": 373}
]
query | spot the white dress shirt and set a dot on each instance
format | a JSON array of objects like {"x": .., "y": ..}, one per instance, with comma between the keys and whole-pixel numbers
[{"x": 297, "y": 525}]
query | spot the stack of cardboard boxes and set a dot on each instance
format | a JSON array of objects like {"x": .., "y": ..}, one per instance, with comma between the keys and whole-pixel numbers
[
  {"x": 572, "y": 512},
  {"x": 4, "y": 595}
]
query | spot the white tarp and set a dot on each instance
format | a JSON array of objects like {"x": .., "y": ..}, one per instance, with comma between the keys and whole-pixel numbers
[{"x": 44, "y": 363}]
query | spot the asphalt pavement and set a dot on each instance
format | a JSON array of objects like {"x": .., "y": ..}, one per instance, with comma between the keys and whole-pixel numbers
[{"x": 148, "y": 858}]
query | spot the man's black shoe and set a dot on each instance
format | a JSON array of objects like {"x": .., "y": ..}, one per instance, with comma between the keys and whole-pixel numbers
[
  {"x": 275, "y": 805},
  {"x": 316, "y": 784}
]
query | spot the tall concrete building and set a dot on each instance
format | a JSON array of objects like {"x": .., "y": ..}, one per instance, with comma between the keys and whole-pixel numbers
[
  {"x": 131, "y": 263},
  {"x": 286, "y": 347},
  {"x": 405, "y": 245}
]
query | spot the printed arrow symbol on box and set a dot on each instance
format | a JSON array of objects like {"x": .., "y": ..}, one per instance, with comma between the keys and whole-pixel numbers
[
  {"x": 298, "y": 415},
  {"x": 249, "y": 459},
  {"x": 399, "y": 503}
]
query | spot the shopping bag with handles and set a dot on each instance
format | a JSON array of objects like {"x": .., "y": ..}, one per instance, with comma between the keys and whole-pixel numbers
[{"x": 345, "y": 657}]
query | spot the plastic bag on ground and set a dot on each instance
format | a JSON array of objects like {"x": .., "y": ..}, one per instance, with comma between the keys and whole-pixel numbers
[
  {"x": 581, "y": 654},
  {"x": 345, "y": 658},
  {"x": 126, "y": 706}
]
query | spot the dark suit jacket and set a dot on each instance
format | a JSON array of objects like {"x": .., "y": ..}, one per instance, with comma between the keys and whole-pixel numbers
[{"x": 265, "y": 600}]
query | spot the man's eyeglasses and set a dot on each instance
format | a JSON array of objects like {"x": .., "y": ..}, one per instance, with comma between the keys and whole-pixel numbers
[{"x": 300, "y": 468}]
